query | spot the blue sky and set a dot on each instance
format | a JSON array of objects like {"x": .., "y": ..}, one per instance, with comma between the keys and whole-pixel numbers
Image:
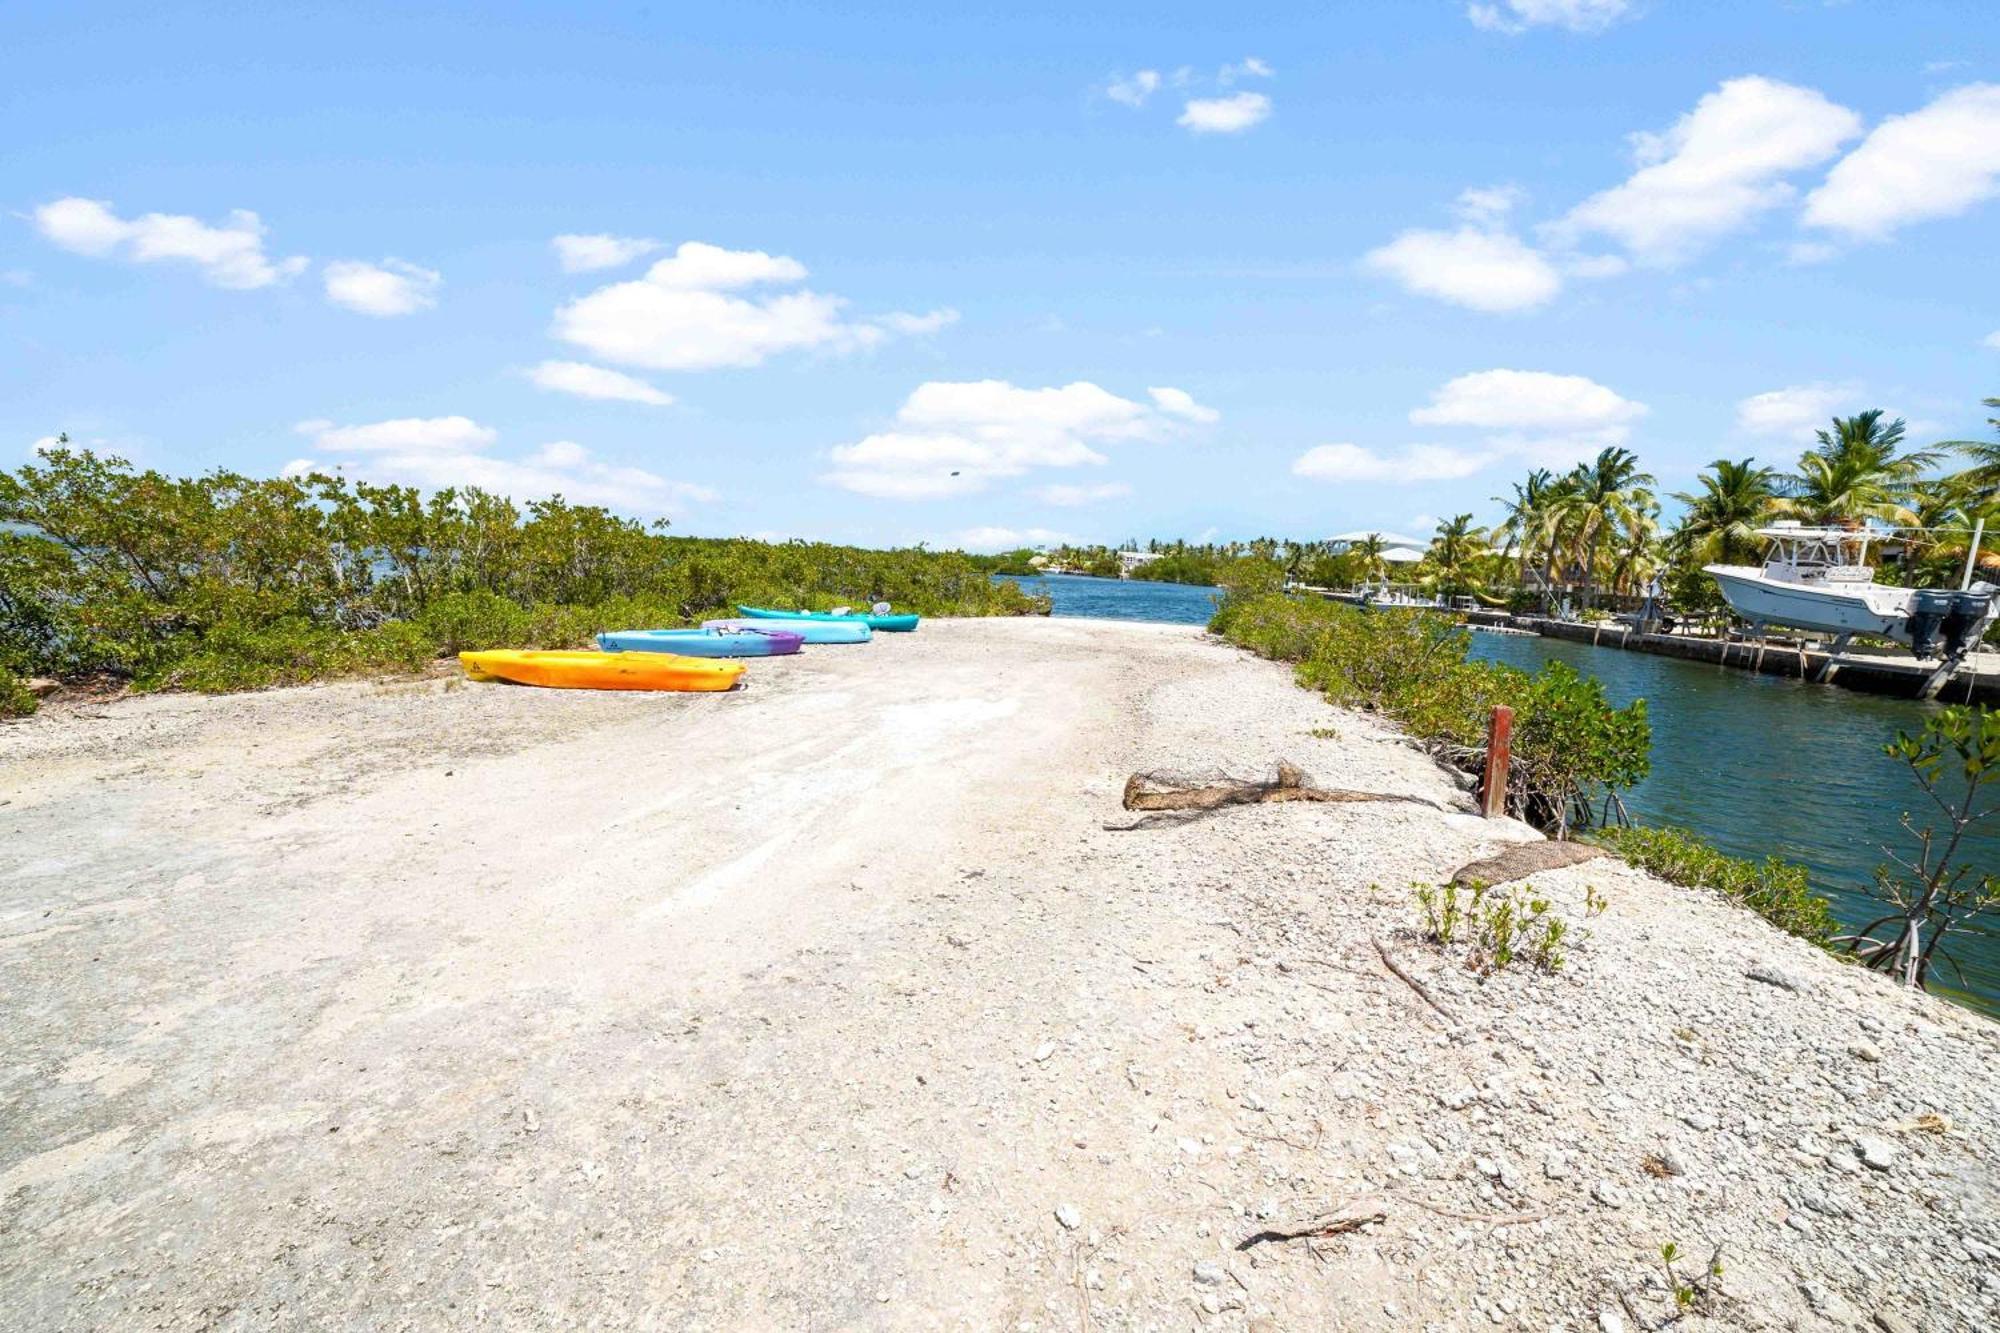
[{"x": 983, "y": 273}]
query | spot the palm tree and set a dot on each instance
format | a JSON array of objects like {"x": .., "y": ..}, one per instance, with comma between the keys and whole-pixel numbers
[
  {"x": 1984, "y": 474},
  {"x": 1454, "y": 548},
  {"x": 1527, "y": 518},
  {"x": 1609, "y": 498},
  {"x": 1856, "y": 472},
  {"x": 1721, "y": 522},
  {"x": 1368, "y": 557}
]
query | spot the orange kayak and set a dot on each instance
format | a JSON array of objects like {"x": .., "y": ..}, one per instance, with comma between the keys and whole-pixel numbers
[{"x": 601, "y": 671}]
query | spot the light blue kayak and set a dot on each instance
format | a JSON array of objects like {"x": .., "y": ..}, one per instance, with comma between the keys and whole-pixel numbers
[
  {"x": 901, "y": 623},
  {"x": 837, "y": 630},
  {"x": 770, "y": 642}
]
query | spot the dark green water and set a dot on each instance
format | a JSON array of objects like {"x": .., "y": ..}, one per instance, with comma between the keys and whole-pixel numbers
[{"x": 1759, "y": 765}]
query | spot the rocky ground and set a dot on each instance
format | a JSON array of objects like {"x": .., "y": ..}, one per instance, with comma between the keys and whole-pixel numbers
[{"x": 835, "y": 1004}]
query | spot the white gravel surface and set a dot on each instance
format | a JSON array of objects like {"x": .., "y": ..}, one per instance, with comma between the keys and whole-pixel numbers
[{"x": 832, "y": 1004}]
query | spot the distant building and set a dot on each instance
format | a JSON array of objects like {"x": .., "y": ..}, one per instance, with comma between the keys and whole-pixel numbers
[{"x": 1131, "y": 560}]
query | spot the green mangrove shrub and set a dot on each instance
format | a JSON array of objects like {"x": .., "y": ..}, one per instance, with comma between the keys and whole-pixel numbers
[
  {"x": 1496, "y": 927},
  {"x": 226, "y": 581},
  {"x": 1775, "y": 890}
]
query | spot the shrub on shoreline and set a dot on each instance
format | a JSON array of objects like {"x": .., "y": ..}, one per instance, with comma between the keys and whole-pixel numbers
[
  {"x": 225, "y": 582},
  {"x": 1573, "y": 752},
  {"x": 1775, "y": 890}
]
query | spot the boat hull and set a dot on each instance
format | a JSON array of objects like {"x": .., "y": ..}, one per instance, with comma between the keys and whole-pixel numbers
[
  {"x": 773, "y": 642},
  {"x": 1838, "y": 610},
  {"x": 840, "y": 630},
  {"x": 900, "y": 623},
  {"x": 601, "y": 671}
]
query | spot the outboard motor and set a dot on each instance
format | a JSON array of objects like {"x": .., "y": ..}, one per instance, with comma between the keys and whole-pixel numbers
[
  {"x": 1968, "y": 609},
  {"x": 1932, "y": 605}
]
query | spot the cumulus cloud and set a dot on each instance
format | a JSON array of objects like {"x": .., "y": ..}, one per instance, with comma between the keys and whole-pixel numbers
[
  {"x": 1992, "y": 340},
  {"x": 1715, "y": 169},
  {"x": 1225, "y": 115},
  {"x": 1069, "y": 497},
  {"x": 954, "y": 438},
  {"x": 1935, "y": 162},
  {"x": 1133, "y": 91},
  {"x": 1419, "y": 462},
  {"x": 1523, "y": 415},
  {"x": 588, "y": 381},
  {"x": 686, "y": 314},
  {"x": 1795, "y": 411},
  {"x": 1250, "y": 67},
  {"x": 384, "y": 290},
  {"x": 436, "y": 452},
  {"x": 1483, "y": 269},
  {"x": 231, "y": 255},
  {"x": 1181, "y": 403},
  {"x": 1517, "y": 16},
  {"x": 586, "y": 254}
]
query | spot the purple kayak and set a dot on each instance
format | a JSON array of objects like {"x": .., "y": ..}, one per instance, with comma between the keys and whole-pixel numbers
[{"x": 705, "y": 642}]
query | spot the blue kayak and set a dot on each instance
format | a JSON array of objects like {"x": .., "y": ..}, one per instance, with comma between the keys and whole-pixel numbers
[
  {"x": 841, "y": 630},
  {"x": 897, "y": 624},
  {"x": 703, "y": 642}
]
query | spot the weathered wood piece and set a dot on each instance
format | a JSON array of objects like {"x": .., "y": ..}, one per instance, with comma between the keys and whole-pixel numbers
[{"x": 1527, "y": 858}]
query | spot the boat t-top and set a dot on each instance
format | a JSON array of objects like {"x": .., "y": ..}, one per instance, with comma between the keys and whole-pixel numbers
[{"x": 1819, "y": 578}]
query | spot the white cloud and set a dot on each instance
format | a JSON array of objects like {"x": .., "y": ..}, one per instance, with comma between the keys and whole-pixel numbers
[
  {"x": 436, "y": 452},
  {"x": 1250, "y": 67},
  {"x": 1181, "y": 403},
  {"x": 954, "y": 438},
  {"x": 1419, "y": 462},
  {"x": 917, "y": 326},
  {"x": 1134, "y": 91},
  {"x": 1932, "y": 163},
  {"x": 231, "y": 255},
  {"x": 1992, "y": 340},
  {"x": 1488, "y": 205},
  {"x": 1002, "y": 539},
  {"x": 586, "y": 254},
  {"x": 1485, "y": 270},
  {"x": 587, "y": 381},
  {"x": 1069, "y": 497},
  {"x": 1715, "y": 170},
  {"x": 1517, "y": 16},
  {"x": 1225, "y": 115},
  {"x": 384, "y": 290},
  {"x": 682, "y": 315},
  {"x": 1531, "y": 400},
  {"x": 1794, "y": 412},
  {"x": 299, "y": 467}
]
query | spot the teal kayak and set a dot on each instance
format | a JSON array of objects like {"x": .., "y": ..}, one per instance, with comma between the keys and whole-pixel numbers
[
  {"x": 838, "y": 629},
  {"x": 894, "y": 624}
]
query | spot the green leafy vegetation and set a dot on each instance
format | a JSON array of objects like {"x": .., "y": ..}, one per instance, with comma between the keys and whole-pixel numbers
[
  {"x": 1955, "y": 759},
  {"x": 1775, "y": 890},
  {"x": 1497, "y": 927},
  {"x": 1573, "y": 752},
  {"x": 225, "y": 582}
]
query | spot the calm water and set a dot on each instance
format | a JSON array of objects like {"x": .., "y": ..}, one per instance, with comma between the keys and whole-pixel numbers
[
  {"x": 1756, "y": 764},
  {"x": 1119, "y": 599}
]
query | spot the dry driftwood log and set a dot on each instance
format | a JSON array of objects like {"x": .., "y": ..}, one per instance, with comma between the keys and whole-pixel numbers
[
  {"x": 1150, "y": 791},
  {"x": 1527, "y": 858},
  {"x": 1331, "y": 1224}
]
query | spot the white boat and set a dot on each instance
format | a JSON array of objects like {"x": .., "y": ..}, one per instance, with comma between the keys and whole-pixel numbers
[{"x": 1817, "y": 578}]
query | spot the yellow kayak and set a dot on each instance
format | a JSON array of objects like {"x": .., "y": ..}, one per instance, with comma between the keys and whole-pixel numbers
[{"x": 601, "y": 671}]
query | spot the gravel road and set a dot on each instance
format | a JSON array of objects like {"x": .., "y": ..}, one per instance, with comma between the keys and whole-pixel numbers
[{"x": 833, "y": 1003}]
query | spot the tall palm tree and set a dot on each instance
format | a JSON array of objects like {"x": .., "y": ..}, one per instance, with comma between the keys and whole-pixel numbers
[
  {"x": 1858, "y": 471},
  {"x": 1368, "y": 557},
  {"x": 1528, "y": 513},
  {"x": 1455, "y": 547},
  {"x": 1984, "y": 474},
  {"x": 1610, "y": 496},
  {"x": 1721, "y": 522}
]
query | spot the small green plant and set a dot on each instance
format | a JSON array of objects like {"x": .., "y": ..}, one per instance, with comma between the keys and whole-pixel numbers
[
  {"x": 1690, "y": 1293},
  {"x": 16, "y": 700},
  {"x": 1595, "y": 904},
  {"x": 1498, "y": 928}
]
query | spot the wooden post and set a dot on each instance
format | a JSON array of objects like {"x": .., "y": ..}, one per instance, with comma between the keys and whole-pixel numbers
[{"x": 1499, "y": 750}]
